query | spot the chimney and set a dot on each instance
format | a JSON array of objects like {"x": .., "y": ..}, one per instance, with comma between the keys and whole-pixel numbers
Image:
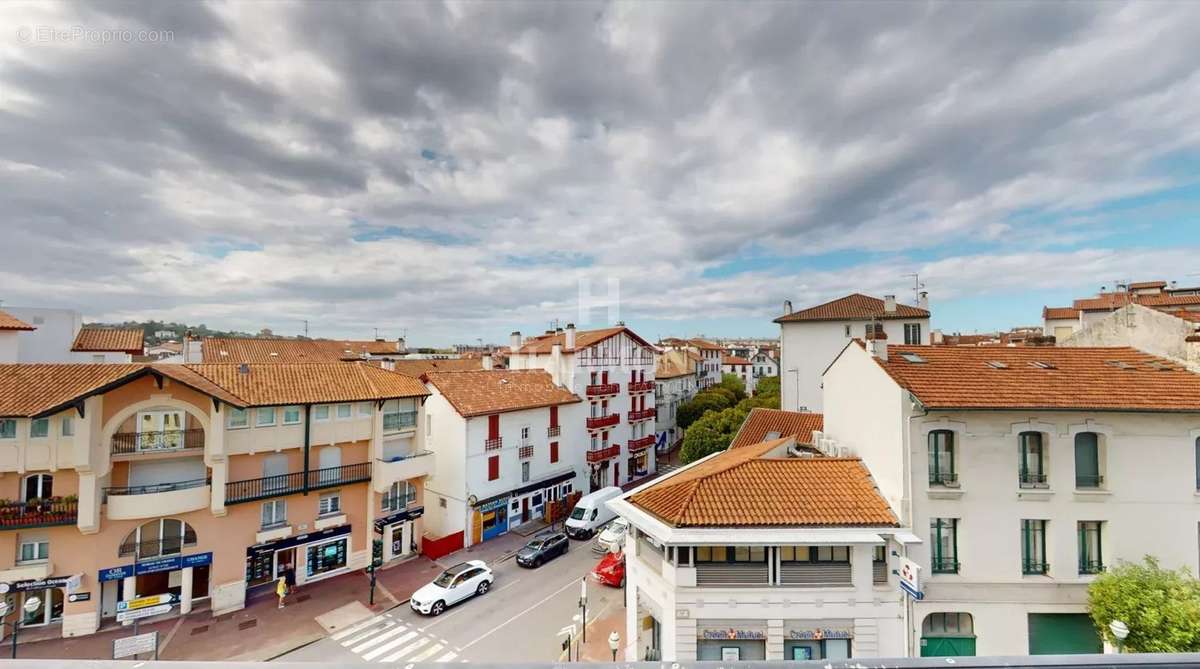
[
  {"x": 389, "y": 365},
  {"x": 514, "y": 340},
  {"x": 877, "y": 344},
  {"x": 401, "y": 347},
  {"x": 889, "y": 303},
  {"x": 1192, "y": 344},
  {"x": 187, "y": 345},
  {"x": 923, "y": 300},
  {"x": 556, "y": 364},
  {"x": 787, "y": 307},
  {"x": 487, "y": 361},
  {"x": 570, "y": 342}
]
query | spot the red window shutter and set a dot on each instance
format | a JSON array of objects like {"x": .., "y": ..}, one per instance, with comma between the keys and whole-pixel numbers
[
  {"x": 553, "y": 452},
  {"x": 493, "y": 427},
  {"x": 493, "y": 467},
  {"x": 553, "y": 416},
  {"x": 604, "y": 376},
  {"x": 604, "y": 408},
  {"x": 633, "y": 375}
]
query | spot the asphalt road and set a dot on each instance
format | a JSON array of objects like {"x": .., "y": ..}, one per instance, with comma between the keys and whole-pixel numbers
[{"x": 518, "y": 620}]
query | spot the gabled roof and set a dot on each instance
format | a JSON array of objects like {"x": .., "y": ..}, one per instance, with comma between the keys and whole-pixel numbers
[
  {"x": 765, "y": 424},
  {"x": 583, "y": 339},
  {"x": 415, "y": 368},
  {"x": 109, "y": 340},
  {"x": 10, "y": 322},
  {"x": 673, "y": 364},
  {"x": 264, "y": 350},
  {"x": 1142, "y": 285},
  {"x": 705, "y": 344},
  {"x": 734, "y": 360},
  {"x": 853, "y": 307},
  {"x": 1059, "y": 313},
  {"x": 1043, "y": 377},
  {"x": 480, "y": 392},
  {"x": 755, "y": 487}
]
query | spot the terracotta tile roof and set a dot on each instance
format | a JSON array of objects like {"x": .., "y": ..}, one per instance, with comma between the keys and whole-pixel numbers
[
  {"x": 705, "y": 344},
  {"x": 761, "y": 423},
  {"x": 755, "y": 487},
  {"x": 10, "y": 322},
  {"x": 479, "y": 393},
  {"x": 1043, "y": 377},
  {"x": 1190, "y": 316},
  {"x": 263, "y": 350},
  {"x": 109, "y": 340},
  {"x": 1059, "y": 313},
  {"x": 669, "y": 366},
  {"x": 854, "y": 307},
  {"x": 583, "y": 338},
  {"x": 1141, "y": 285},
  {"x": 319, "y": 383},
  {"x": 734, "y": 360},
  {"x": 1113, "y": 301},
  {"x": 416, "y": 368},
  {"x": 30, "y": 389}
]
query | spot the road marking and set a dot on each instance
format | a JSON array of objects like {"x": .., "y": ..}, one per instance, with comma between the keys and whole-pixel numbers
[
  {"x": 378, "y": 638},
  {"x": 355, "y": 639},
  {"x": 406, "y": 650},
  {"x": 341, "y": 634},
  {"x": 390, "y": 646},
  {"x": 427, "y": 653},
  {"x": 573, "y": 583},
  {"x": 447, "y": 657},
  {"x": 444, "y": 616}
]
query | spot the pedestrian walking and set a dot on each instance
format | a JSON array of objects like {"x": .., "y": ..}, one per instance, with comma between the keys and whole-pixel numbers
[
  {"x": 289, "y": 578},
  {"x": 281, "y": 590}
]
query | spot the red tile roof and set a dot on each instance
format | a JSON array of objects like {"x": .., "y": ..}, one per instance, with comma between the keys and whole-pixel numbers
[
  {"x": 109, "y": 340},
  {"x": 583, "y": 339},
  {"x": 766, "y": 424},
  {"x": 1141, "y": 285},
  {"x": 1059, "y": 313},
  {"x": 854, "y": 307},
  {"x": 10, "y": 322},
  {"x": 1114, "y": 301},
  {"x": 734, "y": 360},
  {"x": 756, "y": 486},
  {"x": 264, "y": 350},
  {"x": 479, "y": 393},
  {"x": 1042, "y": 377}
]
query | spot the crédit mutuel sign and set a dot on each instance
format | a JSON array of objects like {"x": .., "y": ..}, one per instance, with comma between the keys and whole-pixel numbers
[{"x": 734, "y": 635}]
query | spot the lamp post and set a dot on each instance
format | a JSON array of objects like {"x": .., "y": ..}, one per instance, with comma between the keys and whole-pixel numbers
[
  {"x": 29, "y": 606},
  {"x": 1119, "y": 630},
  {"x": 583, "y": 608},
  {"x": 614, "y": 642}
]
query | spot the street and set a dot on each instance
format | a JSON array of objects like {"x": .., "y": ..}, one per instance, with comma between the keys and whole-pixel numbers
[{"x": 517, "y": 621}]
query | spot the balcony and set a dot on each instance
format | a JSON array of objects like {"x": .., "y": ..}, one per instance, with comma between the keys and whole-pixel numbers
[
  {"x": 644, "y": 414},
  {"x": 644, "y": 442},
  {"x": 38, "y": 513},
  {"x": 157, "y": 499},
  {"x": 602, "y": 454},
  {"x": 1035, "y": 567},
  {"x": 599, "y": 389},
  {"x": 525, "y": 452},
  {"x": 266, "y": 487},
  {"x": 399, "y": 421},
  {"x": 946, "y": 479},
  {"x": 603, "y": 421},
  {"x": 158, "y": 441},
  {"x": 944, "y": 565},
  {"x": 1090, "y": 567},
  {"x": 493, "y": 444},
  {"x": 1032, "y": 480},
  {"x": 641, "y": 386},
  {"x": 401, "y": 468},
  {"x": 553, "y": 430}
]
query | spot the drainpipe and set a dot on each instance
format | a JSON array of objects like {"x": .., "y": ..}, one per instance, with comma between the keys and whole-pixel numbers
[{"x": 307, "y": 434}]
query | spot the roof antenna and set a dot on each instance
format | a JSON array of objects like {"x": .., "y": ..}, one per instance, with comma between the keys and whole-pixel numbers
[{"x": 917, "y": 286}]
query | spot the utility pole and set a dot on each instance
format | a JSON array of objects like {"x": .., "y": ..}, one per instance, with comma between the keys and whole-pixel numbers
[
  {"x": 306, "y": 328},
  {"x": 917, "y": 286}
]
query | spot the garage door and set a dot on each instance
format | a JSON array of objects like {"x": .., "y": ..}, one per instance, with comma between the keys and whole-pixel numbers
[{"x": 1062, "y": 634}]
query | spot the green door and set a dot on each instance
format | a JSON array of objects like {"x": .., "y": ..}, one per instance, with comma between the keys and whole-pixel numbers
[
  {"x": 1062, "y": 634},
  {"x": 947, "y": 646}
]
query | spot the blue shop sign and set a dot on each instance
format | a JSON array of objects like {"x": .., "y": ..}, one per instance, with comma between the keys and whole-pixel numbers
[
  {"x": 116, "y": 573},
  {"x": 197, "y": 560},
  {"x": 160, "y": 564},
  {"x": 170, "y": 563}
]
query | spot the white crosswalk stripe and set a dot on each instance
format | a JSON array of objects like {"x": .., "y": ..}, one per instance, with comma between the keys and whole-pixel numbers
[
  {"x": 389, "y": 646},
  {"x": 412, "y": 647},
  {"x": 385, "y": 638},
  {"x": 447, "y": 657},
  {"x": 367, "y": 634},
  {"x": 428, "y": 653},
  {"x": 379, "y": 638},
  {"x": 354, "y": 629}
]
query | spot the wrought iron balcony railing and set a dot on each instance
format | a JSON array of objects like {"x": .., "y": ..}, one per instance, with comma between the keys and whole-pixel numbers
[
  {"x": 249, "y": 490},
  {"x": 158, "y": 441}
]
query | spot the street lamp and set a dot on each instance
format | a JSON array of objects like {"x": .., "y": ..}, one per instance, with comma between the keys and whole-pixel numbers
[
  {"x": 1119, "y": 630},
  {"x": 583, "y": 608},
  {"x": 614, "y": 642},
  {"x": 30, "y": 606}
]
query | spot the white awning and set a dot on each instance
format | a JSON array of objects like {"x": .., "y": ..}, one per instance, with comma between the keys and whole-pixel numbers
[{"x": 907, "y": 537}]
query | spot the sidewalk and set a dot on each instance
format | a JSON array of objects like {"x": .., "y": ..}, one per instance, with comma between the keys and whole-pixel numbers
[
  {"x": 596, "y": 649},
  {"x": 493, "y": 550},
  {"x": 258, "y": 632}
]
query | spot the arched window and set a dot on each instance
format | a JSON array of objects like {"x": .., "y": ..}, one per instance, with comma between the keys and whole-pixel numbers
[
  {"x": 38, "y": 486},
  {"x": 165, "y": 536},
  {"x": 398, "y": 496},
  {"x": 1087, "y": 460},
  {"x": 941, "y": 458},
  {"x": 947, "y": 634}
]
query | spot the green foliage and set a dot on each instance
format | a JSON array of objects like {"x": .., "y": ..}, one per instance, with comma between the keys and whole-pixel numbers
[
  {"x": 690, "y": 411},
  {"x": 767, "y": 385},
  {"x": 711, "y": 433},
  {"x": 1160, "y": 606},
  {"x": 734, "y": 384},
  {"x": 759, "y": 402},
  {"x": 731, "y": 397}
]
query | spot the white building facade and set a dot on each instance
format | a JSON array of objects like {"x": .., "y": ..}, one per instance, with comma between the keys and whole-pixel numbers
[{"x": 675, "y": 382}]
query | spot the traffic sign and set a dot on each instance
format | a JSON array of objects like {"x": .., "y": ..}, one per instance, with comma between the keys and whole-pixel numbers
[
  {"x": 135, "y": 645},
  {"x": 138, "y": 614},
  {"x": 910, "y": 578},
  {"x": 145, "y": 602}
]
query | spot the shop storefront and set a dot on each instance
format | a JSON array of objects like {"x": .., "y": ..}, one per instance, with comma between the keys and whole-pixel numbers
[
  {"x": 740, "y": 641},
  {"x": 314, "y": 555},
  {"x": 185, "y": 576},
  {"x": 398, "y": 531},
  {"x": 816, "y": 640},
  {"x": 49, "y": 593},
  {"x": 496, "y": 515}
]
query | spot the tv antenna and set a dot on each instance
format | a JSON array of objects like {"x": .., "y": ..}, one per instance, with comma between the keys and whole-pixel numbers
[{"x": 917, "y": 286}]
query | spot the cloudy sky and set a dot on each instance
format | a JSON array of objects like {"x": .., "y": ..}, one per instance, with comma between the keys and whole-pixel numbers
[{"x": 460, "y": 170}]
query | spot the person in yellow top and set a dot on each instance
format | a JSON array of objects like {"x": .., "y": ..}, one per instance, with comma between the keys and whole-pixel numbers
[{"x": 281, "y": 590}]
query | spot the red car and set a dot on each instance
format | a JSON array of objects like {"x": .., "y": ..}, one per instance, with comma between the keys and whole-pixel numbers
[{"x": 610, "y": 570}]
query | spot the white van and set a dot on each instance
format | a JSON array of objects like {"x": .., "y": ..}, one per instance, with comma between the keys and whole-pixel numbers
[{"x": 591, "y": 513}]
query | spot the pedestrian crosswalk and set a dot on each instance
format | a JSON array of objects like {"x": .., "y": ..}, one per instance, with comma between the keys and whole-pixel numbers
[{"x": 388, "y": 638}]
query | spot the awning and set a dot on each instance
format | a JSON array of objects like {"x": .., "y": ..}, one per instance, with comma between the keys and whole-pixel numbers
[{"x": 906, "y": 538}]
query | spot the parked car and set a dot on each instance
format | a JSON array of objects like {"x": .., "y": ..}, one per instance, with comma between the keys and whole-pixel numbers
[
  {"x": 457, "y": 583},
  {"x": 613, "y": 537},
  {"x": 610, "y": 570},
  {"x": 542, "y": 548},
  {"x": 591, "y": 513}
]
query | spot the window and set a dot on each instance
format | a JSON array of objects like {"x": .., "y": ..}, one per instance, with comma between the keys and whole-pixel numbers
[
  {"x": 274, "y": 513},
  {"x": 525, "y": 433},
  {"x": 493, "y": 467},
  {"x": 275, "y": 469},
  {"x": 344, "y": 411},
  {"x": 237, "y": 418},
  {"x": 525, "y": 472},
  {"x": 1091, "y": 559},
  {"x": 329, "y": 503},
  {"x": 814, "y": 553},
  {"x": 941, "y": 458},
  {"x": 321, "y": 412},
  {"x": 38, "y": 486},
  {"x": 943, "y": 535},
  {"x": 1033, "y": 460},
  {"x": 871, "y": 329},
  {"x": 291, "y": 415},
  {"x": 166, "y": 536},
  {"x": 8, "y": 428},
  {"x": 34, "y": 551},
  {"x": 912, "y": 334},
  {"x": 948, "y": 624},
  {"x": 264, "y": 416},
  {"x": 400, "y": 495},
  {"x": 39, "y": 428},
  {"x": 1087, "y": 460},
  {"x": 364, "y": 408},
  {"x": 1033, "y": 547},
  {"x": 731, "y": 554},
  {"x": 68, "y": 427},
  {"x": 553, "y": 452},
  {"x": 398, "y": 415}
]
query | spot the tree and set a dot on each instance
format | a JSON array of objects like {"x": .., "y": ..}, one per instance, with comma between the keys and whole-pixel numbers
[
  {"x": 690, "y": 411},
  {"x": 712, "y": 433},
  {"x": 759, "y": 401},
  {"x": 767, "y": 385},
  {"x": 730, "y": 397},
  {"x": 1161, "y": 607},
  {"x": 734, "y": 384}
]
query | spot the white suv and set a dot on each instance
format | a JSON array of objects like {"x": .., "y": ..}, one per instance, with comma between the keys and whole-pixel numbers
[{"x": 453, "y": 585}]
